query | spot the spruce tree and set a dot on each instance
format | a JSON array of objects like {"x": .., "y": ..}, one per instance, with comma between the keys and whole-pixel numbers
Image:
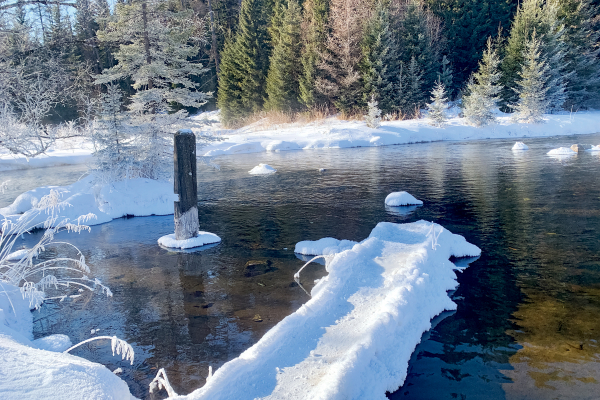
[
  {"x": 229, "y": 99},
  {"x": 373, "y": 117},
  {"x": 446, "y": 76},
  {"x": 285, "y": 68},
  {"x": 339, "y": 79},
  {"x": 481, "y": 98},
  {"x": 379, "y": 63},
  {"x": 438, "y": 106},
  {"x": 410, "y": 88},
  {"x": 314, "y": 36},
  {"x": 531, "y": 87}
]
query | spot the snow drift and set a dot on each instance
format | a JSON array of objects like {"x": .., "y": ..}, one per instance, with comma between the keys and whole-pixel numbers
[
  {"x": 323, "y": 247},
  {"x": 136, "y": 197},
  {"x": 202, "y": 239},
  {"x": 353, "y": 339},
  {"x": 520, "y": 146},
  {"x": 561, "y": 151},
  {"x": 36, "y": 369},
  {"x": 262, "y": 169}
]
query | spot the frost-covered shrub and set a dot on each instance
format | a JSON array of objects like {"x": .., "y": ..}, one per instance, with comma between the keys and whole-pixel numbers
[
  {"x": 36, "y": 276},
  {"x": 373, "y": 118},
  {"x": 438, "y": 106}
]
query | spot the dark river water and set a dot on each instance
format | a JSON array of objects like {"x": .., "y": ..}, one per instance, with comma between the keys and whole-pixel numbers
[{"x": 528, "y": 318}]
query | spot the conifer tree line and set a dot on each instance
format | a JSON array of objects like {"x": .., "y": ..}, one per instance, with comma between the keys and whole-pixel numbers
[{"x": 166, "y": 57}]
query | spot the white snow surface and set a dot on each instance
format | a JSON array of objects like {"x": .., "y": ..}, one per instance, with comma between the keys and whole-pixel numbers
[
  {"x": 17, "y": 255},
  {"x": 328, "y": 133},
  {"x": 402, "y": 199},
  {"x": 595, "y": 148},
  {"x": 262, "y": 169},
  {"x": 353, "y": 339},
  {"x": 323, "y": 247},
  {"x": 520, "y": 146},
  {"x": 37, "y": 369},
  {"x": 137, "y": 197},
  {"x": 561, "y": 151},
  {"x": 202, "y": 239}
]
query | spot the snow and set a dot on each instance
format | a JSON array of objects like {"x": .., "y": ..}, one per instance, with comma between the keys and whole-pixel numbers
[
  {"x": 63, "y": 152},
  {"x": 37, "y": 369},
  {"x": 262, "y": 169},
  {"x": 17, "y": 255},
  {"x": 520, "y": 146},
  {"x": 137, "y": 197},
  {"x": 561, "y": 151},
  {"x": 323, "y": 247},
  {"x": 401, "y": 199},
  {"x": 595, "y": 148},
  {"x": 354, "y": 337},
  {"x": 202, "y": 239}
]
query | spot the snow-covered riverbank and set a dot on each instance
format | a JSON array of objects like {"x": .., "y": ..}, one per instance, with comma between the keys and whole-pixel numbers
[{"x": 330, "y": 133}]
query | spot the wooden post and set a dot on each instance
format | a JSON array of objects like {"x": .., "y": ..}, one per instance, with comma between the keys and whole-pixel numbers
[{"x": 186, "y": 209}]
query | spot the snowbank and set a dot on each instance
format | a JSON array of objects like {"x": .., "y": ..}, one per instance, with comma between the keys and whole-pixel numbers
[
  {"x": 561, "y": 151},
  {"x": 323, "y": 247},
  {"x": 402, "y": 199},
  {"x": 137, "y": 197},
  {"x": 595, "y": 148},
  {"x": 202, "y": 239},
  {"x": 353, "y": 339},
  {"x": 63, "y": 152},
  {"x": 262, "y": 169},
  {"x": 36, "y": 369},
  {"x": 334, "y": 133},
  {"x": 520, "y": 146}
]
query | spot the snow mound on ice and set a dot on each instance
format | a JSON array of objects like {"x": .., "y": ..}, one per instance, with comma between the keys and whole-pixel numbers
[
  {"x": 262, "y": 169},
  {"x": 561, "y": 151},
  {"x": 401, "y": 199},
  {"x": 520, "y": 146},
  {"x": 323, "y": 247},
  {"x": 354, "y": 337},
  {"x": 202, "y": 239},
  {"x": 137, "y": 197},
  {"x": 30, "y": 372}
]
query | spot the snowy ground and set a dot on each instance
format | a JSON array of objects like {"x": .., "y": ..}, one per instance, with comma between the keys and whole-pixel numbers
[
  {"x": 329, "y": 133},
  {"x": 354, "y": 337},
  {"x": 37, "y": 369}
]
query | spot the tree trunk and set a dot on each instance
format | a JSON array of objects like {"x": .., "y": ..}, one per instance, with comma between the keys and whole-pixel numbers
[{"x": 186, "y": 209}]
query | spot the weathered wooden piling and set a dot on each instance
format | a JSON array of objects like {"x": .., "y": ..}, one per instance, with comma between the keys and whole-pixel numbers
[{"x": 186, "y": 209}]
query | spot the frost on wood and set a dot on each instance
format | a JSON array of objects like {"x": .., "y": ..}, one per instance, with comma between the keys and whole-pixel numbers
[
  {"x": 161, "y": 381},
  {"x": 187, "y": 224}
]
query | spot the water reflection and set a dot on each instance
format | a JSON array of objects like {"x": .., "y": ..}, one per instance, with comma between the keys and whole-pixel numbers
[{"x": 536, "y": 220}]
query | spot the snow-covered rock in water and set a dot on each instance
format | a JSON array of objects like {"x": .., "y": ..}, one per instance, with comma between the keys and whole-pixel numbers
[
  {"x": 37, "y": 369},
  {"x": 323, "y": 247},
  {"x": 401, "y": 199},
  {"x": 135, "y": 197},
  {"x": 202, "y": 239},
  {"x": 561, "y": 151},
  {"x": 594, "y": 148},
  {"x": 520, "y": 146},
  {"x": 354, "y": 337},
  {"x": 262, "y": 169}
]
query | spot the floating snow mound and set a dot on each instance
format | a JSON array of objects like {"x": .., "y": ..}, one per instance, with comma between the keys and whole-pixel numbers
[
  {"x": 17, "y": 255},
  {"x": 595, "y": 148},
  {"x": 354, "y": 337},
  {"x": 561, "y": 151},
  {"x": 520, "y": 146},
  {"x": 32, "y": 369},
  {"x": 323, "y": 247},
  {"x": 401, "y": 199},
  {"x": 262, "y": 169},
  {"x": 137, "y": 197},
  {"x": 202, "y": 239}
]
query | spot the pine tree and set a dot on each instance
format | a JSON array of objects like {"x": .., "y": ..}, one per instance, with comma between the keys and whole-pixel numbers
[
  {"x": 379, "y": 63},
  {"x": 339, "y": 78},
  {"x": 481, "y": 98},
  {"x": 531, "y": 87},
  {"x": 581, "y": 36},
  {"x": 438, "y": 106},
  {"x": 284, "y": 70},
  {"x": 229, "y": 99},
  {"x": 419, "y": 37},
  {"x": 410, "y": 90},
  {"x": 373, "y": 118},
  {"x": 467, "y": 25},
  {"x": 314, "y": 36},
  {"x": 446, "y": 76}
]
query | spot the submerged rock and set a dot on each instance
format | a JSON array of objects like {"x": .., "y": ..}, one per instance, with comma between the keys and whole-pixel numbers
[{"x": 258, "y": 267}]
